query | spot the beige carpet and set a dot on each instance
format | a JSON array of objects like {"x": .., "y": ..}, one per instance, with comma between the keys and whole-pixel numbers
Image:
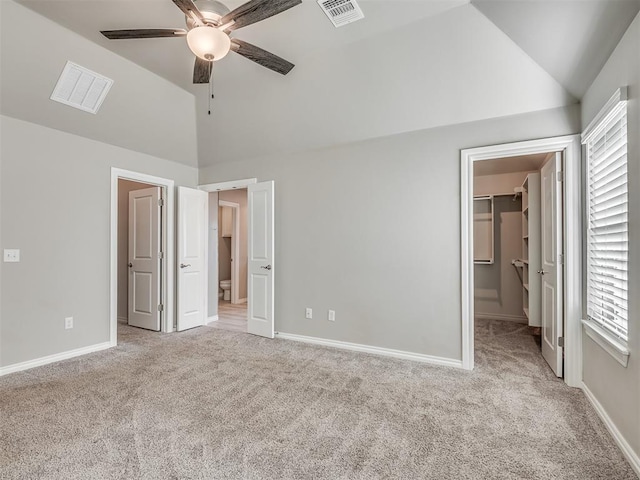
[{"x": 214, "y": 404}]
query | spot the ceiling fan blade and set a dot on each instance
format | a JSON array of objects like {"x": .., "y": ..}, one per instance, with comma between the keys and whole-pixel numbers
[
  {"x": 143, "y": 33},
  {"x": 202, "y": 71},
  {"x": 256, "y": 10},
  {"x": 261, "y": 57},
  {"x": 187, "y": 6}
]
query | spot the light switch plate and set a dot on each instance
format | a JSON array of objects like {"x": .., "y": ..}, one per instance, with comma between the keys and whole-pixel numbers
[{"x": 11, "y": 255}]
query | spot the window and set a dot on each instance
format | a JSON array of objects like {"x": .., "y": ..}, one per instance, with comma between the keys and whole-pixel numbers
[{"x": 607, "y": 218}]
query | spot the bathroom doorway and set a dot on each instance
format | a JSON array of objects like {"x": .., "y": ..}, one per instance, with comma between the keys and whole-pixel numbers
[{"x": 231, "y": 260}]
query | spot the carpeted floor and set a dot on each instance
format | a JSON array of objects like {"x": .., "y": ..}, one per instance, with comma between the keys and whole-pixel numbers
[{"x": 214, "y": 404}]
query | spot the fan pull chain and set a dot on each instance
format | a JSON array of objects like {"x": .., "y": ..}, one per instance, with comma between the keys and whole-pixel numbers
[{"x": 210, "y": 85}]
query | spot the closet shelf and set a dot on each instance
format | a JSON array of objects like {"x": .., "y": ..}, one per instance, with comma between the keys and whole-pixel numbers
[{"x": 531, "y": 248}]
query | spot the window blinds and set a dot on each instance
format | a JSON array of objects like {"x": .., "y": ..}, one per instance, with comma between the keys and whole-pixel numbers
[{"x": 607, "y": 236}]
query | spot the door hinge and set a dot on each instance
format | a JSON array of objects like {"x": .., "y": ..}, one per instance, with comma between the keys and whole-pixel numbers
[
  {"x": 561, "y": 176},
  {"x": 161, "y": 255},
  {"x": 561, "y": 342},
  {"x": 161, "y": 308},
  {"x": 561, "y": 259},
  {"x": 161, "y": 202}
]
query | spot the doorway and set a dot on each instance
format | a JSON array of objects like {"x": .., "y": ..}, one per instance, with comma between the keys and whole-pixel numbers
[
  {"x": 508, "y": 234},
  {"x": 232, "y": 251},
  {"x": 570, "y": 235},
  {"x": 260, "y": 248},
  {"x": 125, "y": 180}
]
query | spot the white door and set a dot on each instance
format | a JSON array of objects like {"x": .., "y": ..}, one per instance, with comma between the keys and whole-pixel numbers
[
  {"x": 551, "y": 265},
  {"x": 191, "y": 258},
  {"x": 260, "y": 262},
  {"x": 144, "y": 258}
]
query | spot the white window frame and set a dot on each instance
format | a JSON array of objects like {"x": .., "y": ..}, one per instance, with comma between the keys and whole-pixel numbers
[{"x": 615, "y": 343}]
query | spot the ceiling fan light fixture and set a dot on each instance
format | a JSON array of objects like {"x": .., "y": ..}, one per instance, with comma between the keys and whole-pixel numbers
[{"x": 208, "y": 43}]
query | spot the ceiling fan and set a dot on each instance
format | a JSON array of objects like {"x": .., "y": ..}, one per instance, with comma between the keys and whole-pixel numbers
[{"x": 208, "y": 28}]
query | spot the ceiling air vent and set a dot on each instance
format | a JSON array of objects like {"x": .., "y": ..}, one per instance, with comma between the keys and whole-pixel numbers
[
  {"x": 81, "y": 88},
  {"x": 341, "y": 12}
]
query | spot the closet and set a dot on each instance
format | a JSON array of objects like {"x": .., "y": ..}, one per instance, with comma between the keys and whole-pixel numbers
[{"x": 507, "y": 241}]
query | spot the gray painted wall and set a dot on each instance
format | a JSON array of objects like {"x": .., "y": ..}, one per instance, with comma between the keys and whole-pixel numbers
[
  {"x": 615, "y": 387},
  {"x": 444, "y": 70},
  {"x": 142, "y": 112},
  {"x": 124, "y": 187},
  {"x": 337, "y": 211},
  {"x": 224, "y": 252},
  {"x": 55, "y": 207}
]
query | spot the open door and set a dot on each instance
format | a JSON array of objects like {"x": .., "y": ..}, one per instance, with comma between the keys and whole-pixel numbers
[
  {"x": 191, "y": 258},
  {"x": 144, "y": 259},
  {"x": 551, "y": 264},
  {"x": 260, "y": 262}
]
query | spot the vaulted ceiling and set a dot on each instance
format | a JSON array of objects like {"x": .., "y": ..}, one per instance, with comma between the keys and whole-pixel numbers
[{"x": 408, "y": 65}]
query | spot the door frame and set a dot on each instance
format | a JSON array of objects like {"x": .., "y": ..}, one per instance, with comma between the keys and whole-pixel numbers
[
  {"x": 235, "y": 249},
  {"x": 167, "y": 236},
  {"x": 572, "y": 242}
]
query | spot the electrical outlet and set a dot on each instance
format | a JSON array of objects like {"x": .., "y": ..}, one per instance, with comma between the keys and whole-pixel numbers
[
  {"x": 11, "y": 255},
  {"x": 331, "y": 316},
  {"x": 308, "y": 313},
  {"x": 68, "y": 323}
]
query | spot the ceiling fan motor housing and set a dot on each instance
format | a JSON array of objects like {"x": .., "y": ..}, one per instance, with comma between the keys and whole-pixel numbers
[{"x": 211, "y": 10}]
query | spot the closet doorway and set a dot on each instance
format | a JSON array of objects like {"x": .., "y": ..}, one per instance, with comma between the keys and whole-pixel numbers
[
  {"x": 507, "y": 233},
  {"x": 511, "y": 225}
]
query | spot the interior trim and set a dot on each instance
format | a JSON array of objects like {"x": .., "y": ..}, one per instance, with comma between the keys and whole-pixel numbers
[
  {"x": 56, "y": 357},
  {"x": 386, "y": 352}
]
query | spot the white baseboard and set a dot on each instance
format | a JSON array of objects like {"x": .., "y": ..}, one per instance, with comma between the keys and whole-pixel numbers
[
  {"x": 212, "y": 319},
  {"x": 38, "y": 362},
  {"x": 242, "y": 300},
  {"x": 622, "y": 443},
  {"x": 123, "y": 319},
  {"x": 387, "y": 352},
  {"x": 499, "y": 316}
]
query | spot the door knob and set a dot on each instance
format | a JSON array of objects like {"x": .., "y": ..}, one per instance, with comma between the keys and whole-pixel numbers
[
  {"x": 130, "y": 265},
  {"x": 182, "y": 265},
  {"x": 541, "y": 272},
  {"x": 268, "y": 267}
]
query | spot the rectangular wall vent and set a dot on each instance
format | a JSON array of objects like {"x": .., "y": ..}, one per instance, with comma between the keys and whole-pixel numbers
[
  {"x": 341, "y": 12},
  {"x": 81, "y": 88}
]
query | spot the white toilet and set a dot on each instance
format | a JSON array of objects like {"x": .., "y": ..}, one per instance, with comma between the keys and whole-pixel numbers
[{"x": 225, "y": 285}]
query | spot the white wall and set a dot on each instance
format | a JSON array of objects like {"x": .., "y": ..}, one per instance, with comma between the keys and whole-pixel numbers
[
  {"x": 337, "y": 211},
  {"x": 55, "y": 207},
  {"x": 615, "y": 387}
]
